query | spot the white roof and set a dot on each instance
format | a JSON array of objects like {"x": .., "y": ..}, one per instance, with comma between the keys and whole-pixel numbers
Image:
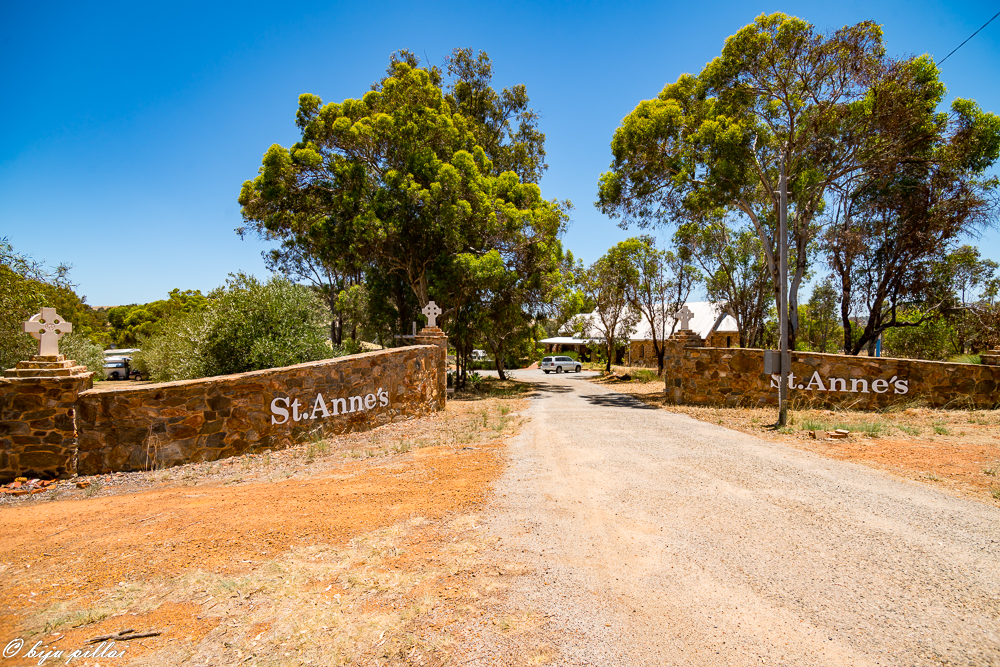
[
  {"x": 708, "y": 318},
  {"x": 567, "y": 340}
]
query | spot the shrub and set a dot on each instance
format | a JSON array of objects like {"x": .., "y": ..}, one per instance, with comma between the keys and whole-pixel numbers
[
  {"x": 966, "y": 359},
  {"x": 247, "y": 326},
  {"x": 84, "y": 352},
  {"x": 644, "y": 375},
  {"x": 177, "y": 351}
]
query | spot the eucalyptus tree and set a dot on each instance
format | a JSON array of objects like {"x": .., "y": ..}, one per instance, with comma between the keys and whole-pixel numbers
[
  {"x": 503, "y": 123},
  {"x": 890, "y": 228},
  {"x": 606, "y": 284},
  {"x": 658, "y": 283},
  {"x": 736, "y": 272},
  {"x": 819, "y": 317},
  {"x": 407, "y": 179},
  {"x": 336, "y": 277},
  {"x": 780, "y": 97}
]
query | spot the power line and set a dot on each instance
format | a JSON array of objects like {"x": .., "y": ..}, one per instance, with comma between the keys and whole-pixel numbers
[{"x": 969, "y": 37}]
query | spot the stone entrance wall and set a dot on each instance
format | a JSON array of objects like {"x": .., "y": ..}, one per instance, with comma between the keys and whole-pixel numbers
[
  {"x": 60, "y": 426},
  {"x": 698, "y": 375},
  {"x": 37, "y": 429},
  {"x": 161, "y": 425}
]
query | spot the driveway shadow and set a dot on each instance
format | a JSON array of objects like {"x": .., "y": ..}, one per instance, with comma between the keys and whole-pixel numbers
[
  {"x": 617, "y": 400},
  {"x": 547, "y": 388}
]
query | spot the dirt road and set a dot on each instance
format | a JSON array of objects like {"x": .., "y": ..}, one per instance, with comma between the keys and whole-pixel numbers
[{"x": 649, "y": 538}]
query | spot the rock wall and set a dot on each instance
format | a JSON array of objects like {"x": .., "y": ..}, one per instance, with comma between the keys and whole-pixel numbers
[
  {"x": 37, "y": 426},
  {"x": 643, "y": 354},
  {"x": 697, "y": 375},
  {"x": 166, "y": 424}
]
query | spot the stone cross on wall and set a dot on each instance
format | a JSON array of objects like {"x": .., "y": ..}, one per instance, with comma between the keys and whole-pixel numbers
[
  {"x": 431, "y": 310},
  {"x": 47, "y": 328},
  {"x": 684, "y": 316}
]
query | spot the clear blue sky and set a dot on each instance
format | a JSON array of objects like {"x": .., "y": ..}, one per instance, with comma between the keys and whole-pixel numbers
[{"x": 128, "y": 128}]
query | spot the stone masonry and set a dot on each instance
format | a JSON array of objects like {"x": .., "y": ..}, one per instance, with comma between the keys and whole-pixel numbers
[
  {"x": 698, "y": 375},
  {"x": 37, "y": 417},
  {"x": 166, "y": 424}
]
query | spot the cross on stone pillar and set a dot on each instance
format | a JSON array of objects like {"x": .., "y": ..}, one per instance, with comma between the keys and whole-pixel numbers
[
  {"x": 47, "y": 328},
  {"x": 684, "y": 316},
  {"x": 431, "y": 310}
]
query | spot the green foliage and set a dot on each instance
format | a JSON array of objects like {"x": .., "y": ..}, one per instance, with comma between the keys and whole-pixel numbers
[
  {"x": 20, "y": 296},
  {"x": 424, "y": 187},
  {"x": 866, "y": 154},
  {"x": 929, "y": 340},
  {"x": 402, "y": 178},
  {"x": 736, "y": 271},
  {"x": 643, "y": 375},
  {"x": 84, "y": 351},
  {"x": 176, "y": 351},
  {"x": 246, "y": 325},
  {"x": 819, "y": 321},
  {"x": 966, "y": 359},
  {"x": 504, "y": 125},
  {"x": 264, "y": 325},
  {"x": 132, "y": 323},
  {"x": 873, "y": 429},
  {"x": 658, "y": 283},
  {"x": 26, "y": 286},
  {"x": 968, "y": 291},
  {"x": 85, "y": 320},
  {"x": 607, "y": 283}
]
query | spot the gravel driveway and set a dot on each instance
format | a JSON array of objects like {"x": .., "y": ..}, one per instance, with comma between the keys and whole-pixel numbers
[{"x": 650, "y": 538}]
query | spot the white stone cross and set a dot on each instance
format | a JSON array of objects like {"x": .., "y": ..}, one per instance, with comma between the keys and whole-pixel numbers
[
  {"x": 684, "y": 316},
  {"x": 47, "y": 328},
  {"x": 431, "y": 310}
]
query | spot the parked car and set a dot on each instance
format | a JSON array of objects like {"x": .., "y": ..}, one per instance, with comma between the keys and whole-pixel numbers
[
  {"x": 560, "y": 364},
  {"x": 478, "y": 355}
]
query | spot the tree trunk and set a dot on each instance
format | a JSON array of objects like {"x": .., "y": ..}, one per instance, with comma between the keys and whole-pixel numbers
[{"x": 496, "y": 347}]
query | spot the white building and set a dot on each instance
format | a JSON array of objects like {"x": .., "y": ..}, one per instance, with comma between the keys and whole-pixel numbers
[{"x": 709, "y": 321}]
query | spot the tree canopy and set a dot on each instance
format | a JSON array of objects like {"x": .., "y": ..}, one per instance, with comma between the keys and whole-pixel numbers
[
  {"x": 422, "y": 181},
  {"x": 833, "y": 109}
]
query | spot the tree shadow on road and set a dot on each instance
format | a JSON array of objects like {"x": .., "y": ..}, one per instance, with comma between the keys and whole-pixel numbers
[
  {"x": 617, "y": 400},
  {"x": 546, "y": 388}
]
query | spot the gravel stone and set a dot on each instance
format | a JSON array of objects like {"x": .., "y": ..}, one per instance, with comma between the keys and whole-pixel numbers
[{"x": 651, "y": 538}]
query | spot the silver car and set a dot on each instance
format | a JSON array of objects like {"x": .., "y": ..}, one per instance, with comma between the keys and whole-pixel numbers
[{"x": 560, "y": 364}]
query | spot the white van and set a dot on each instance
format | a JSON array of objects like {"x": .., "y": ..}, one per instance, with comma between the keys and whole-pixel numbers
[{"x": 118, "y": 364}]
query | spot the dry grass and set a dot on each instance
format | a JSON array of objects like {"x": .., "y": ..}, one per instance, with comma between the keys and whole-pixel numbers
[{"x": 360, "y": 549}]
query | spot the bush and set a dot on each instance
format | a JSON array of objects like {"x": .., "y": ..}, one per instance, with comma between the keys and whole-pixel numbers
[
  {"x": 928, "y": 341},
  {"x": 177, "y": 351},
  {"x": 966, "y": 359},
  {"x": 247, "y": 326},
  {"x": 644, "y": 375},
  {"x": 84, "y": 352}
]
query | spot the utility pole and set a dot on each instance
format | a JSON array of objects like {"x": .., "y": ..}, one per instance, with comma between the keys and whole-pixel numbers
[{"x": 786, "y": 358}]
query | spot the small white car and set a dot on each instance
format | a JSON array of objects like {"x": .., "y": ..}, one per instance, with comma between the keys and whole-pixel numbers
[{"x": 560, "y": 364}]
